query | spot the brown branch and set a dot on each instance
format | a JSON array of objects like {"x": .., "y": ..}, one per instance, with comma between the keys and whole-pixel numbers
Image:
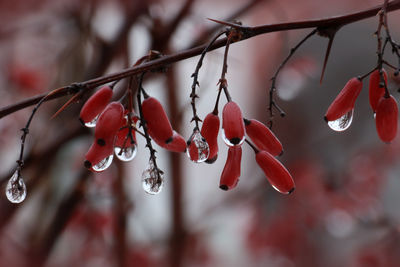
[
  {"x": 178, "y": 228},
  {"x": 120, "y": 215},
  {"x": 249, "y": 32}
]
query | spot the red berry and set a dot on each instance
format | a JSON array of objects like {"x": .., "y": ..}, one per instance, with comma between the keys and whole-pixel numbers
[
  {"x": 386, "y": 119},
  {"x": 276, "y": 173},
  {"x": 157, "y": 122},
  {"x": 263, "y": 137},
  {"x": 209, "y": 130},
  {"x": 178, "y": 143},
  {"x": 375, "y": 90},
  {"x": 109, "y": 122},
  {"x": 232, "y": 124},
  {"x": 95, "y": 104},
  {"x": 231, "y": 173},
  {"x": 97, "y": 153},
  {"x": 345, "y": 101}
]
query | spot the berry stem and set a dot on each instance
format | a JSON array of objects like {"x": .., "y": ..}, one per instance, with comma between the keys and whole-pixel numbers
[
  {"x": 144, "y": 126},
  {"x": 252, "y": 146},
  {"x": 195, "y": 76}
]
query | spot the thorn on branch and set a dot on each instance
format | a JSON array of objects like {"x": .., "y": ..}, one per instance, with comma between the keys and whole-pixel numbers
[{"x": 330, "y": 33}]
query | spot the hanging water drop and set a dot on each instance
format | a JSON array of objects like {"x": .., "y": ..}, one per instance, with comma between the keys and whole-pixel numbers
[
  {"x": 152, "y": 180},
  {"x": 127, "y": 153},
  {"x": 16, "y": 189},
  {"x": 104, "y": 164},
  {"x": 229, "y": 143},
  {"x": 343, "y": 123},
  {"x": 197, "y": 149},
  {"x": 92, "y": 123}
]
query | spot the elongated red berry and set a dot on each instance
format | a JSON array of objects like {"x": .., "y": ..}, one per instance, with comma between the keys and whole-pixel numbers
[
  {"x": 345, "y": 100},
  {"x": 276, "y": 173},
  {"x": 209, "y": 130},
  {"x": 98, "y": 153},
  {"x": 178, "y": 143},
  {"x": 231, "y": 173},
  {"x": 386, "y": 119},
  {"x": 376, "y": 91},
  {"x": 95, "y": 104},
  {"x": 263, "y": 137},
  {"x": 232, "y": 124},
  {"x": 157, "y": 122},
  {"x": 109, "y": 122}
]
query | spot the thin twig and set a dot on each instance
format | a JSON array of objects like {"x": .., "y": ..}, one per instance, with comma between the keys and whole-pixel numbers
[
  {"x": 195, "y": 76},
  {"x": 272, "y": 89},
  {"x": 145, "y": 130}
]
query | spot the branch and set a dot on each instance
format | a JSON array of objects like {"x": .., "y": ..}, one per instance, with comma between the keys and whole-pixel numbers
[{"x": 169, "y": 59}]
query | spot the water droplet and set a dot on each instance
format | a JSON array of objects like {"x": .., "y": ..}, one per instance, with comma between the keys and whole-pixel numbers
[
  {"x": 228, "y": 142},
  {"x": 104, "y": 164},
  {"x": 374, "y": 115},
  {"x": 127, "y": 153},
  {"x": 16, "y": 189},
  {"x": 152, "y": 180},
  {"x": 198, "y": 149},
  {"x": 92, "y": 123},
  {"x": 343, "y": 122}
]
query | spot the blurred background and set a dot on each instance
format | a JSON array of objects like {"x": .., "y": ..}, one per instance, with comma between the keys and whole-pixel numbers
[{"x": 343, "y": 212}]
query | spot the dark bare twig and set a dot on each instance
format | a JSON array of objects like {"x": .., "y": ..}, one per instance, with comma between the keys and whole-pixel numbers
[
  {"x": 145, "y": 130},
  {"x": 272, "y": 89},
  {"x": 195, "y": 83}
]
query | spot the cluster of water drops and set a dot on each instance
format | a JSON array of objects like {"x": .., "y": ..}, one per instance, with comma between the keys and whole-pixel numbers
[{"x": 384, "y": 106}]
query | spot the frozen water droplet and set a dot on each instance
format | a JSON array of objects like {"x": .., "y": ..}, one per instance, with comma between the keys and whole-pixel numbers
[
  {"x": 343, "y": 122},
  {"x": 16, "y": 189},
  {"x": 152, "y": 180},
  {"x": 126, "y": 154},
  {"x": 104, "y": 164},
  {"x": 228, "y": 142},
  {"x": 198, "y": 149},
  {"x": 92, "y": 123}
]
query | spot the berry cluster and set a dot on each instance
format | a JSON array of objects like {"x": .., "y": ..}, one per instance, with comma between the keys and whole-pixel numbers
[
  {"x": 340, "y": 113},
  {"x": 116, "y": 127}
]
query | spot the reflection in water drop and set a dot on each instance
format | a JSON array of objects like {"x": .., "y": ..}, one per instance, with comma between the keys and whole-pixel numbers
[
  {"x": 126, "y": 154},
  {"x": 228, "y": 142},
  {"x": 16, "y": 189},
  {"x": 92, "y": 123},
  {"x": 104, "y": 164},
  {"x": 343, "y": 123},
  {"x": 198, "y": 149},
  {"x": 152, "y": 180}
]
